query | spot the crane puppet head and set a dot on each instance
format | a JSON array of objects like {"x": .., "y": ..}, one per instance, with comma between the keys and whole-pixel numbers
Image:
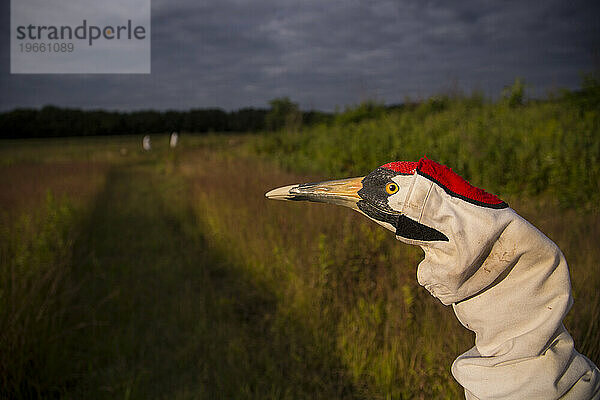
[{"x": 382, "y": 195}]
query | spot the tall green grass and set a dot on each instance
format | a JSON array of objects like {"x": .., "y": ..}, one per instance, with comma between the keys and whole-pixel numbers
[{"x": 37, "y": 295}]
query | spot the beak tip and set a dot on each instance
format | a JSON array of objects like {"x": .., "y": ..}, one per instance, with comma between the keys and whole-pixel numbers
[{"x": 282, "y": 193}]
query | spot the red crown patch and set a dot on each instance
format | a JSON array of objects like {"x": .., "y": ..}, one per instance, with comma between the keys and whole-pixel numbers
[{"x": 450, "y": 181}]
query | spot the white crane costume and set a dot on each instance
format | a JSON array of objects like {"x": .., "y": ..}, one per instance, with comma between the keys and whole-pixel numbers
[{"x": 505, "y": 280}]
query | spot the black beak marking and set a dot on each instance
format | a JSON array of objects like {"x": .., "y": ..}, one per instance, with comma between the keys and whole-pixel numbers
[{"x": 411, "y": 229}]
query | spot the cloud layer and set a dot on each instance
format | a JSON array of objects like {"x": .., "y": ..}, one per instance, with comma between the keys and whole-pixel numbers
[{"x": 235, "y": 53}]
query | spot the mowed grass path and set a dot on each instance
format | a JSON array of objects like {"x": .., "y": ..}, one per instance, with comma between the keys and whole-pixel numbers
[{"x": 166, "y": 315}]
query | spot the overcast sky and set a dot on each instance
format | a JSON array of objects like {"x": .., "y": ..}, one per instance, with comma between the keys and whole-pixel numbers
[{"x": 328, "y": 53}]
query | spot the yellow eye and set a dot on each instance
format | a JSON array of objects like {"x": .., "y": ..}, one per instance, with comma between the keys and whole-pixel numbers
[{"x": 391, "y": 188}]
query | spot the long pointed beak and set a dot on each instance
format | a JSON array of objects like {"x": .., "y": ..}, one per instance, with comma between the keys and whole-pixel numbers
[{"x": 342, "y": 192}]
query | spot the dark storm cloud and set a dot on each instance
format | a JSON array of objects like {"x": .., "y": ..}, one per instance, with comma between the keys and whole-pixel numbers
[{"x": 233, "y": 54}]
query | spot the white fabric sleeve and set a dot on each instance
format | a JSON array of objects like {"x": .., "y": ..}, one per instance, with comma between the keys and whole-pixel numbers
[{"x": 508, "y": 283}]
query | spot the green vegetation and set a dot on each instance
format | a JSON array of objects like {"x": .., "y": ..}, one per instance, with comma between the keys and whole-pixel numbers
[
  {"x": 36, "y": 298},
  {"x": 166, "y": 274},
  {"x": 550, "y": 147},
  {"x": 284, "y": 114}
]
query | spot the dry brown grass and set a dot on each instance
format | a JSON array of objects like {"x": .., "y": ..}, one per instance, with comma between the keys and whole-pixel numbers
[{"x": 25, "y": 186}]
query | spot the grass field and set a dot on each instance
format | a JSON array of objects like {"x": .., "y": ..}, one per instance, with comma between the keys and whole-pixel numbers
[{"x": 167, "y": 274}]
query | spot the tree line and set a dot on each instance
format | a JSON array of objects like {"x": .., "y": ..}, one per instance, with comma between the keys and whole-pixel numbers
[{"x": 51, "y": 121}]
